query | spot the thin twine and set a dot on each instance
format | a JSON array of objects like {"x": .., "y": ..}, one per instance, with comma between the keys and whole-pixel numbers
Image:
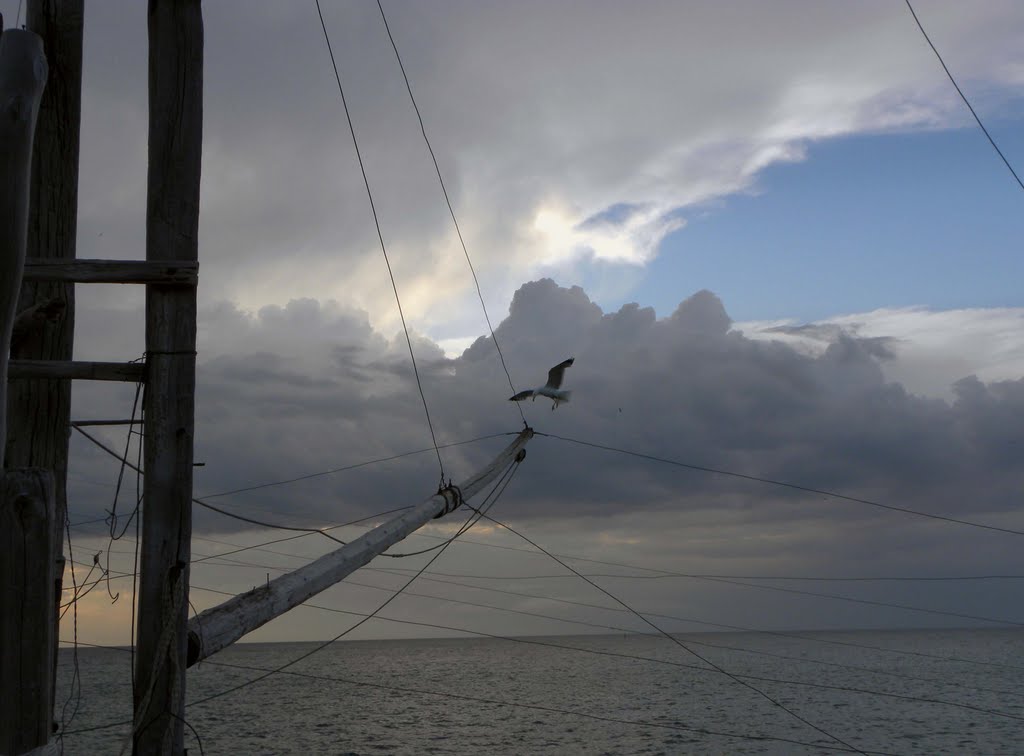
[
  {"x": 447, "y": 199},
  {"x": 380, "y": 237}
]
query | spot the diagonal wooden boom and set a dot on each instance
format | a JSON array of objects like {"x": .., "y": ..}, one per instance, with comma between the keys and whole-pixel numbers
[{"x": 220, "y": 626}]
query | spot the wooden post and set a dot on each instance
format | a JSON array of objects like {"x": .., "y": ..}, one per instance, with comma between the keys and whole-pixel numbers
[
  {"x": 39, "y": 411},
  {"x": 220, "y": 626},
  {"x": 22, "y": 78},
  {"x": 172, "y": 229},
  {"x": 27, "y": 609}
]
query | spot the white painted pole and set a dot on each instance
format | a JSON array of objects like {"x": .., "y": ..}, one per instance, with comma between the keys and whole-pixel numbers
[{"x": 220, "y": 626}]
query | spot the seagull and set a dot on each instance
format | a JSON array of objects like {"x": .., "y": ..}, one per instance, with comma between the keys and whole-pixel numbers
[{"x": 549, "y": 389}]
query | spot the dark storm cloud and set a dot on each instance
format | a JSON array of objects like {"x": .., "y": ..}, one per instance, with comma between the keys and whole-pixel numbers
[{"x": 311, "y": 387}]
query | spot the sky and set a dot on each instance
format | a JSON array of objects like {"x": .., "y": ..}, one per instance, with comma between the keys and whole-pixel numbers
[{"x": 771, "y": 235}]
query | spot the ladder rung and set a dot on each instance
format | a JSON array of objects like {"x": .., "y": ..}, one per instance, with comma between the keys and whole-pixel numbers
[
  {"x": 65, "y": 370},
  {"x": 180, "y": 272}
]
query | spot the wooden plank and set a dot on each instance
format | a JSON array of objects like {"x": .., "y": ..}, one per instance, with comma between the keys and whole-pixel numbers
[
  {"x": 28, "y": 547},
  {"x": 87, "y": 423},
  {"x": 220, "y": 626},
  {"x": 180, "y": 272},
  {"x": 22, "y": 78},
  {"x": 76, "y": 370},
  {"x": 172, "y": 234}
]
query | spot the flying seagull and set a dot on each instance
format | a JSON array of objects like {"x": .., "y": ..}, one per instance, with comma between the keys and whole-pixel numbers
[{"x": 551, "y": 388}]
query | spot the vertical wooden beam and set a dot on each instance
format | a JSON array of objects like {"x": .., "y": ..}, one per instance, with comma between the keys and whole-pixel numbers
[
  {"x": 172, "y": 232},
  {"x": 22, "y": 78},
  {"x": 39, "y": 412},
  {"x": 27, "y": 610},
  {"x": 37, "y": 433}
]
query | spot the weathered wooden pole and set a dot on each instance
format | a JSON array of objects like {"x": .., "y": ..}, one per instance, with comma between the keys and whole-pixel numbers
[
  {"x": 22, "y": 79},
  {"x": 27, "y": 610},
  {"x": 172, "y": 233},
  {"x": 220, "y": 626},
  {"x": 39, "y": 412}
]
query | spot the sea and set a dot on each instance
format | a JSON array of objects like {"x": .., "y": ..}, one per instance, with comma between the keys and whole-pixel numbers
[{"x": 893, "y": 692}]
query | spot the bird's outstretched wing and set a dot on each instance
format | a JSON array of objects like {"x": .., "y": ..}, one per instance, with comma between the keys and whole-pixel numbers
[
  {"x": 555, "y": 374},
  {"x": 521, "y": 395}
]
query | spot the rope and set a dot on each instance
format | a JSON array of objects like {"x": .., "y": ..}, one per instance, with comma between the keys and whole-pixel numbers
[
  {"x": 380, "y": 237},
  {"x": 451, "y": 211}
]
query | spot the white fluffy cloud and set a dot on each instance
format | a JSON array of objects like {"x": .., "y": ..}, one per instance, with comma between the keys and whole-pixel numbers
[
  {"x": 570, "y": 134},
  {"x": 928, "y": 351}
]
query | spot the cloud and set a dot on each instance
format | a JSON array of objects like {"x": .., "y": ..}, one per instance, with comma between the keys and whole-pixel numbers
[
  {"x": 302, "y": 364},
  {"x": 312, "y": 386},
  {"x": 538, "y": 130},
  {"x": 925, "y": 350},
  {"x": 292, "y": 391}
]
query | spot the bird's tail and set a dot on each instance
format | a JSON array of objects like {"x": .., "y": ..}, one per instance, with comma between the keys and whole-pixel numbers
[{"x": 565, "y": 396}]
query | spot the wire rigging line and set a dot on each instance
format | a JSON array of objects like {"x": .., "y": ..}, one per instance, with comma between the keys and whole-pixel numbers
[
  {"x": 678, "y": 642},
  {"x": 964, "y": 97},
  {"x": 684, "y": 665},
  {"x": 668, "y": 573},
  {"x": 691, "y": 620},
  {"x": 380, "y": 237},
  {"x": 448, "y": 201},
  {"x": 114, "y": 536},
  {"x": 259, "y": 546},
  {"x": 680, "y": 665},
  {"x": 485, "y": 505},
  {"x": 813, "y": 578},
  {"x": 617, "y": 628},
  {"x": 353, "y": 466},
  {"x": 134, "y": 516},
  {"x": 994, "y": 620},
  {"x": 782, "y": 484},
  {"x": 620, "y": 629},
  {"x": 202, "y": 503}
]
